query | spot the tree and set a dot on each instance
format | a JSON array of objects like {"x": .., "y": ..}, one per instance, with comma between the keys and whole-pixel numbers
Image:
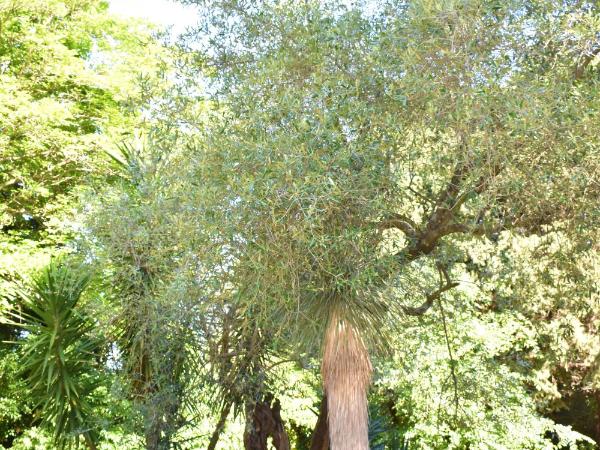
[
  {"x": 135, "y": 239},
  {"x": 69, "y": 79},
  {"x": 549, "y": 283},
  {"x": 59, "y": 353},
  {"x": 176, "y": 323},
  {"x": 356, "y": 146},
  {"x": 60, "y": 107}
]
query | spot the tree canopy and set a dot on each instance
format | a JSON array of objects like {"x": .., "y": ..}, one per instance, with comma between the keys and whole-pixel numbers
[
  {"x": 321, "y": 224},
  {"x": 358, "y": 146}
]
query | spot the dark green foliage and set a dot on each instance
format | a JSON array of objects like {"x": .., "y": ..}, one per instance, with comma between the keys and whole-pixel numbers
[
  {"x": 59, "y": 352},
  {"x": 16, "y": 401},
  {"x": 385, "y": 159}
]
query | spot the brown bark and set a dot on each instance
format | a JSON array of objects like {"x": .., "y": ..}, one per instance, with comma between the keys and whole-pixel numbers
[
  {"x": 320, "y": 436},
  {"x": 346, "y": 371},
  {"x": 263, "y": 422},
  {"x": 583, "y": 62},
  {"x": 439, "y": 224}
]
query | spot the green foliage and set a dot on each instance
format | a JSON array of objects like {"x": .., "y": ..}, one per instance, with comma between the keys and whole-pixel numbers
[
  {"x": 383, "y": 159},
  {"x": 477, "y": 396},
  {"x": 59, "y": 351},
  {"x": 16, "y": 402},
  {"x": 357, "y": 151},
  {"x": 56, "y": 105},
  {"x": 139, "y": 233},
  {"x": 32, "y": 439},
  {"x": 69, "y": 75},
  {"x": 555, "y": 297},
  {"x": 337, "y": 119}
]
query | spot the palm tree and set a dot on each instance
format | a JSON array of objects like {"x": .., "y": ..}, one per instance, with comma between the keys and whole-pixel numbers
[
  {"x": 152, "y": 329},
  {"x": 59, "y": 351},
  {"x": 346, "y": 371}
]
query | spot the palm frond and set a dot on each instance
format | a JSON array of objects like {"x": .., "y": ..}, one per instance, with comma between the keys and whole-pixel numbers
[{"x": 58, "y": 350}]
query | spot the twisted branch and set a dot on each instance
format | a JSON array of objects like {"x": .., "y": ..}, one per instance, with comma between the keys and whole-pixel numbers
[{"x": 445, "y": 285}]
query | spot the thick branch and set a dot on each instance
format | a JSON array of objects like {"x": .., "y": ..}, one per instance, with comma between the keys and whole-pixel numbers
[
  {"x": 431, "y": 298},
  {"x": 401, "y": 222},
  {"x": 473, "y": 230},
  {"x": 443, "y": 219},
  {"x": 438, "y": 222},
  {"x": 584, "y": 62}
]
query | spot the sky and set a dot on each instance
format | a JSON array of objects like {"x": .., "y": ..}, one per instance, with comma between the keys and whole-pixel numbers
[{"x": 163, "y": 12}]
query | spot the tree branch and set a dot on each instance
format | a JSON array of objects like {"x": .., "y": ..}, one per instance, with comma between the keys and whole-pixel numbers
[
  {"x": 452, "y": 361},
  {"x": 401, "y": 222},
  {"x": 583, "y": 62},
  {"x": 437, "y": 225},
  {"x": 445, "y": 285}
]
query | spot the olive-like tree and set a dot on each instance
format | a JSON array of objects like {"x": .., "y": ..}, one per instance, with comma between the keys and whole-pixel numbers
[
  {"x": 353, "y": 145},
  {"x": 134, "y": 231}
]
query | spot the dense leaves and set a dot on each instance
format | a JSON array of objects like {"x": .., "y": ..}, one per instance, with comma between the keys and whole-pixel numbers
[
  {"x": 360, "y": 147},
  {"x": 60, "y": 351},
  {"x": 404, "y": 194},
  {"x": 68, "y": 89}
]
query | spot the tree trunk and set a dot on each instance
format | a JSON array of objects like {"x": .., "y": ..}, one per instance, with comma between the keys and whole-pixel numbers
[
  {"x": 157, "y": 435},
  {"x": 597, "y": 437},
  {"x": 152, "y": 436},
  {"x": 264, "y": 421},
  {"x": 346, "y": 371},
  {"x": 219, "y": 428},
  {"x": 90, "y": 441},
  {"x": 320, "y": 437}
]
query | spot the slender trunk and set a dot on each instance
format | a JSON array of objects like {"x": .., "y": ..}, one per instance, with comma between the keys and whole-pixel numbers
[
  {"x": 597, "y": 417},
  {"x": 320, "y": 437},
  {"x": 159, "y": 432},
  {"x": 281, "y": 440},
  {"x": 346, "y": 371},
  {"x": 152, "y": 436},
  {"x": 254, "y": 436},
  {"x": 219, "y": 428}
]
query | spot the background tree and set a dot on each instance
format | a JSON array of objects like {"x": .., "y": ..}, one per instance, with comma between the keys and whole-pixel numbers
[
  {"x": 60, "y": 106},
  {"x": 69, "y": 77},
  {"x": 177, "y": 324},
  {"x": 137, "y": 242},
  {"x": 553, "y": 302}
]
